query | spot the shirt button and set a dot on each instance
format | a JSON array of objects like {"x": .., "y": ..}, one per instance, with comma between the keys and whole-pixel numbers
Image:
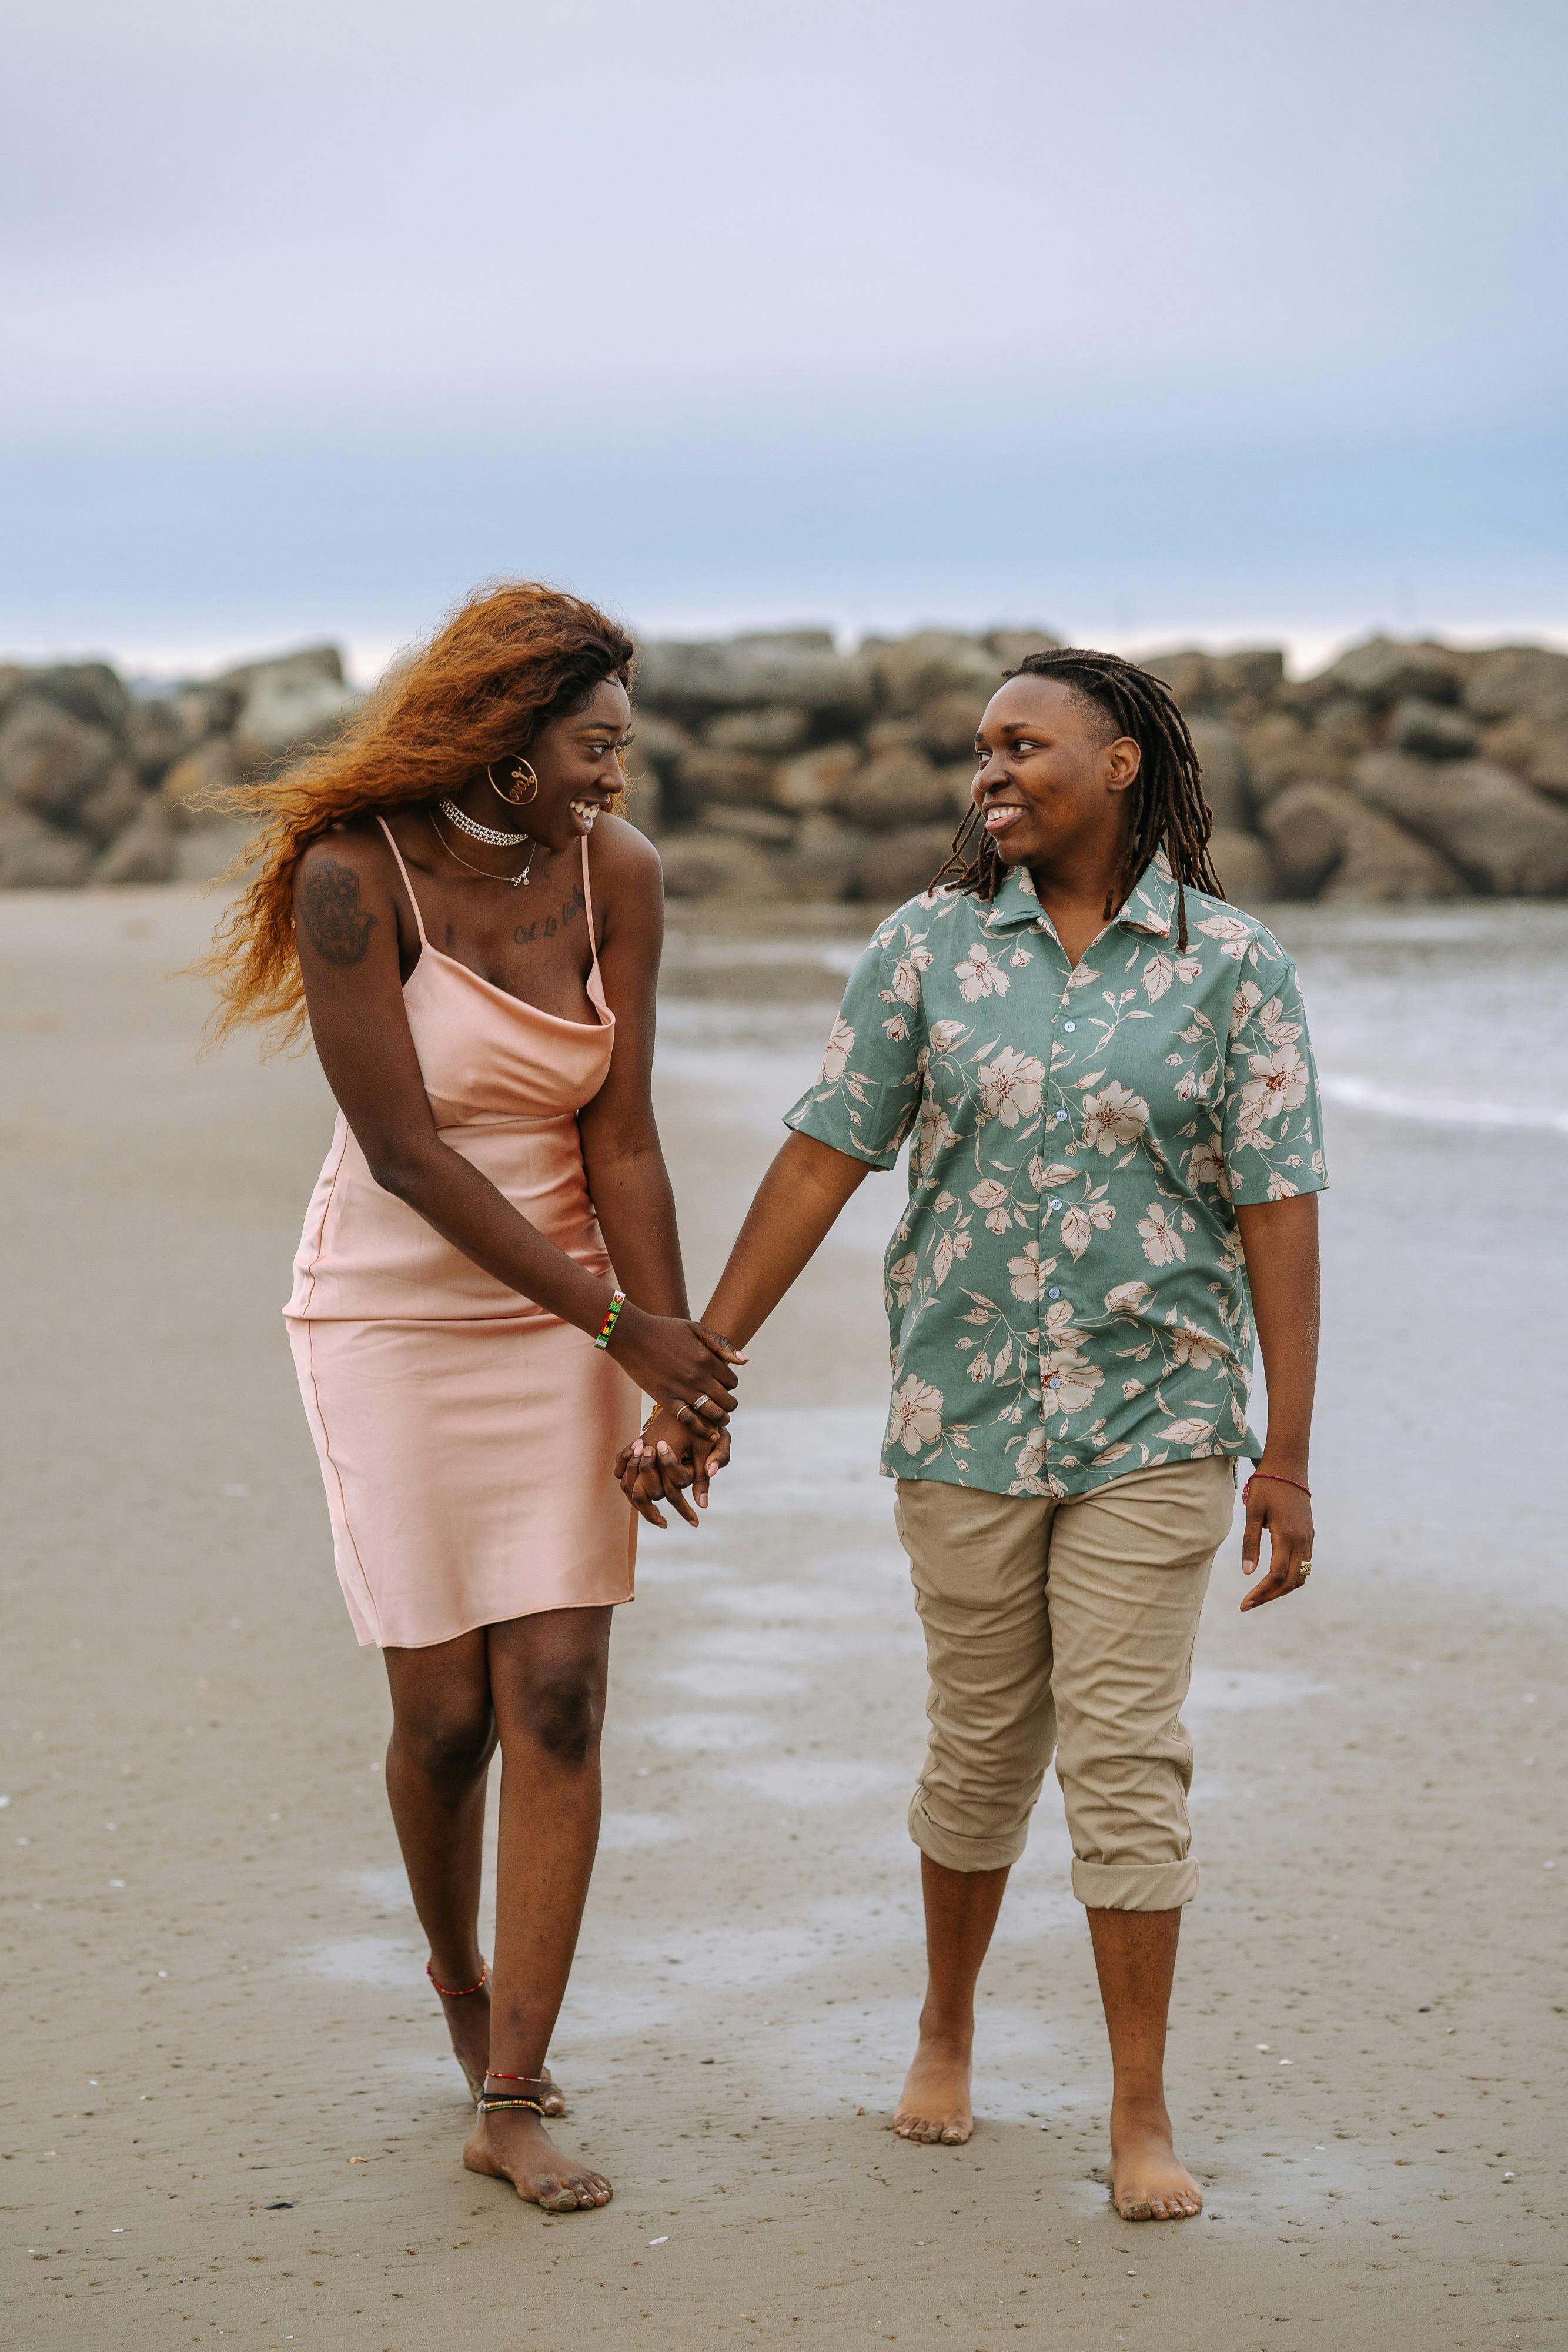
[
  {"x": 1070, "y": 1026},
  {"x": 1053, "y": 1292},
  {"x": 1057, "y": 1118},
  {"x": 1055, "y": 1203},
  {"x": 1054, "y": 1383}
]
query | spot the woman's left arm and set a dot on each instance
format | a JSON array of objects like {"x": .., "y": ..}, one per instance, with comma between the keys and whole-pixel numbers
[
  {"x": 1280, "y": 1242},
  {"x": 627, "y": 1180}
]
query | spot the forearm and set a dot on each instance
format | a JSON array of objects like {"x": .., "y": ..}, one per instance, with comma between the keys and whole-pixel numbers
[
  {"x": 467, "y": 1210},
  {"x": 636, "y": 1210},
  {"x": 1280, "y": 1242},
  {"x": 792, "y": 1214}
]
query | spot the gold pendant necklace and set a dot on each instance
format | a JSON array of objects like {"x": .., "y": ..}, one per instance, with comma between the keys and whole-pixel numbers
[{"x": 512, "y": 879}]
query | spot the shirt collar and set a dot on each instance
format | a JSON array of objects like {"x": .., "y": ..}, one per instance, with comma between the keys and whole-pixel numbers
[{"x": 1150, "y": 905}]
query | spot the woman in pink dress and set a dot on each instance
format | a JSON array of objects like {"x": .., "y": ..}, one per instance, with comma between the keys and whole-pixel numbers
[{"x": 489, "y": 1271}]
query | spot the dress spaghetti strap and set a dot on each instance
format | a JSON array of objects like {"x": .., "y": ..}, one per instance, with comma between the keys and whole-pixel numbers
[
  {"x": 587, "y": 903},
  {"x": 408, "y": 886}
]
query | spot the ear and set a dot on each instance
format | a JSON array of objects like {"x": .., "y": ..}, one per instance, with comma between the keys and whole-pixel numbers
[{"x": 1120, "y": 764}]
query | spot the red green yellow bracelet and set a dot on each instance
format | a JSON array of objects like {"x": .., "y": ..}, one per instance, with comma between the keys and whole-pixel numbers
[{"x": 612, "y": 1317}]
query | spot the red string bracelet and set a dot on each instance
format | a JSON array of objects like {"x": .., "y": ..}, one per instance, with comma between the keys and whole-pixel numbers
[{"x": 1278, "y": 1481}]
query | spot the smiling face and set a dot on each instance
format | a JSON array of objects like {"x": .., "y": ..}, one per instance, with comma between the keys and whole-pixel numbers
[
  {"x": 1052, "y": 776},
  {"x": 576, "y": 757},
  {"x": 577, "y": 760}
]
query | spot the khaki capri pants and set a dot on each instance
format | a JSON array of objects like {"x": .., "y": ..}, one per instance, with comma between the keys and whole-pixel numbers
[{"x": 1066, "y": 1626}]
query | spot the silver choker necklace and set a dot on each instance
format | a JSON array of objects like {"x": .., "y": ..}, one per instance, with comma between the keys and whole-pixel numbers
[{"x": 478, "y": 832}]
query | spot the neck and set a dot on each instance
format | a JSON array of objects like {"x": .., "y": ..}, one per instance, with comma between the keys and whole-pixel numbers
[{"x": 1083, "y": 875}]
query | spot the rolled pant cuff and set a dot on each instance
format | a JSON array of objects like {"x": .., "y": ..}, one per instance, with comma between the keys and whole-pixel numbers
[
  {"x": 956, "y": 1853},
  {"x": 1133, "y": 1886}
]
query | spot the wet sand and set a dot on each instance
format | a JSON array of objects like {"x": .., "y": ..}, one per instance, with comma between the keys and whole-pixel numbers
[{"x": 228, "y": 2111}]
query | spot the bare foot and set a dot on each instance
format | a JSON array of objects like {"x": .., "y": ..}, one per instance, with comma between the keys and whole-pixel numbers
[
  {"x": 515, "y": 2146},
  {"x": 1148, "y": 2181},
  {"x": 935, "y": 2105},
  {"x": 468, "y": 2023}
]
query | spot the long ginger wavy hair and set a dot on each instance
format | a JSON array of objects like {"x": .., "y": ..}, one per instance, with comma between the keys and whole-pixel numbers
[{"x": 507, "y": 662}]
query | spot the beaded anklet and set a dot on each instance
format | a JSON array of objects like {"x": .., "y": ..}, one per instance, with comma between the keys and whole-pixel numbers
[{"x": 460, "y": 1993}]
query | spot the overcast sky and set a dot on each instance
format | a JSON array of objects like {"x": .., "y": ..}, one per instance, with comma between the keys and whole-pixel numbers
[{"x": 1238, "y": 320}]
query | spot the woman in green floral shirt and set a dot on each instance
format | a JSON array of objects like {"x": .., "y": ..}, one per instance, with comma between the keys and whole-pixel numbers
[{"x": 1103, "y": 1076}]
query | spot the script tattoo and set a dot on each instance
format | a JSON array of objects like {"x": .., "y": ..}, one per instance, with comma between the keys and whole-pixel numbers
[
  {"x": 525, "y": 933},
  {"x": 339, "y": 929}
]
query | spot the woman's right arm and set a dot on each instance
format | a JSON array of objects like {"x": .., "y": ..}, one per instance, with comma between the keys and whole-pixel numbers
[
  {"x": 346, "y": 924},
  {"x": 795, "y": 1209}
]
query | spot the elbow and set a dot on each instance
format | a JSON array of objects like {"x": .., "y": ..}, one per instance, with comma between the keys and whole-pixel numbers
[{"x": 401, "y": 1173}]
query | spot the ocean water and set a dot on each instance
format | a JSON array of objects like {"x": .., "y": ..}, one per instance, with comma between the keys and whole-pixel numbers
[{"x": 1447, "y": 1016}]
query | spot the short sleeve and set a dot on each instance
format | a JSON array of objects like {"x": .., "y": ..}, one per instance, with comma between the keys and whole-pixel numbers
[
  {"x": 868, "y": 1089},
  {"x": 1272, "y": 1119}
]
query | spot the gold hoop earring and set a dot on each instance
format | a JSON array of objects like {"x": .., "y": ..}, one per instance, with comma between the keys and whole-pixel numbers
[{"x": 516, "y": 797}]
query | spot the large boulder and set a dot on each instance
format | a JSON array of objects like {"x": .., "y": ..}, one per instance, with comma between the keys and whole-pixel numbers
[
  {"x": 782, "y": 727},
  {"x": 738, "y": 778},
  {"x": 899, "y": 863},
  {"x": 189, "y": 788},
  {"x": 1519, "y": 681},
  {"x": 822, "y": 860},
  {"x": 89, "y": 691},
  {"x": 161, "y": 729},
  {"x": 289, "y": 704},
  {"x": 769, "y": 828},
  {"x": 144, "y": 852},
  {"x": 111, "y": 806},
  {"x": 1014, "y": 646},
  {"x": 1385, "y": 670},
  {"x": 738, "y": 673},
  {"x": 897, "y": 786},
  {"x": 708, "y": 865},
  {"x": 1246, "y": 871},
  {"x": 50, "y": 760},
  {"x": 1326, "y": 840},
  {"x": 1224, "y": 764},
  {"x": 1250, "y": 674},
  {"x": 1501, "y": 834},
  {"x": 813, "y": 780},
  {"x": 913, "y": 671},
  {"x": 35, "y": 857},
  {"x": 1533, "y": 750},
  {"x": 1431, "y": 731},
  {"x": 1281, "y": 749},
  {"x": 946, "y": 727}
]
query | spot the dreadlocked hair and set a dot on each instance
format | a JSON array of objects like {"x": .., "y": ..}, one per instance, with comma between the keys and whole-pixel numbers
[{"x": 1169, "y": 811}]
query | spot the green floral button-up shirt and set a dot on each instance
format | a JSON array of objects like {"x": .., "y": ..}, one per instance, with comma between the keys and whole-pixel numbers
[{"x": 1066, "y": 1291}]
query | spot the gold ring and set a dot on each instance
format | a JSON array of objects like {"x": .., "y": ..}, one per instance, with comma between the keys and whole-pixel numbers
[{"x": 1306, "y": 1568}]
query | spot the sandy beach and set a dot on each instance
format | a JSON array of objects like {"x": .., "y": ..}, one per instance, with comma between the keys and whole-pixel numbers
[{"x": 229, "y": 2111}]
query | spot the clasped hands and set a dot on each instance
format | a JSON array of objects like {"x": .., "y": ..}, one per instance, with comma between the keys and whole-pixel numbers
[{"x": 676, "y": 1453}]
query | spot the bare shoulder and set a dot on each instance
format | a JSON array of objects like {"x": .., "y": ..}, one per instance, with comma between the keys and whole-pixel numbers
[
  {"x": 342, "y": 895},
  {"x": 627, "y": 874}
]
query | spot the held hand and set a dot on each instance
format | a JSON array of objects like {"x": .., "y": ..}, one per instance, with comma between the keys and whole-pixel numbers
[
  {"x": 680, "y": 1365},
  {"x": 663, "y": 1462},
  {"x": 1285, "y": 1509}
]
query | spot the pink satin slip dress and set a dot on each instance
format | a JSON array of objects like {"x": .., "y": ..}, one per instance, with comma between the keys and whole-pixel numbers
[{"x": 466, "y": 1436}]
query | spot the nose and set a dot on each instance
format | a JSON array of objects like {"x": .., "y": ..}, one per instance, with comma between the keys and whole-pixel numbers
[{"x": 990, "y": 772}]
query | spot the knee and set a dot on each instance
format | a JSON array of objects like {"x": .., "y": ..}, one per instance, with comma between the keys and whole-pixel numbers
[
  {"x": 564, "y": 1714},
  {"x": 449, "y": 1747}
]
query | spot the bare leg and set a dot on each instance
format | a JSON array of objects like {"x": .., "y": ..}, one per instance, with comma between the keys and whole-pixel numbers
[
  {"x": 961, "y": 1907},
  {"x": 443, "y": 1733},
  {"x": 547, "y": 1678},
  {"x": 1134, "y": 1952}
]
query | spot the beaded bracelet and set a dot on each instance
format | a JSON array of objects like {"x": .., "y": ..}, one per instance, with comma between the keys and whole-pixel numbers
[
  {"x": 610, "y": 1319},
  {"x": 1274, "y": 1475}
]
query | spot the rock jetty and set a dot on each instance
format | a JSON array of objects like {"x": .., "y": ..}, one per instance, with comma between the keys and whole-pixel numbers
[{"x": 779, "y": 766}]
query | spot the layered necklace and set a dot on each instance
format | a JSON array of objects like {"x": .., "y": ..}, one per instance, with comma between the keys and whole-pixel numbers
[{"x": 494, "y": 839}]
